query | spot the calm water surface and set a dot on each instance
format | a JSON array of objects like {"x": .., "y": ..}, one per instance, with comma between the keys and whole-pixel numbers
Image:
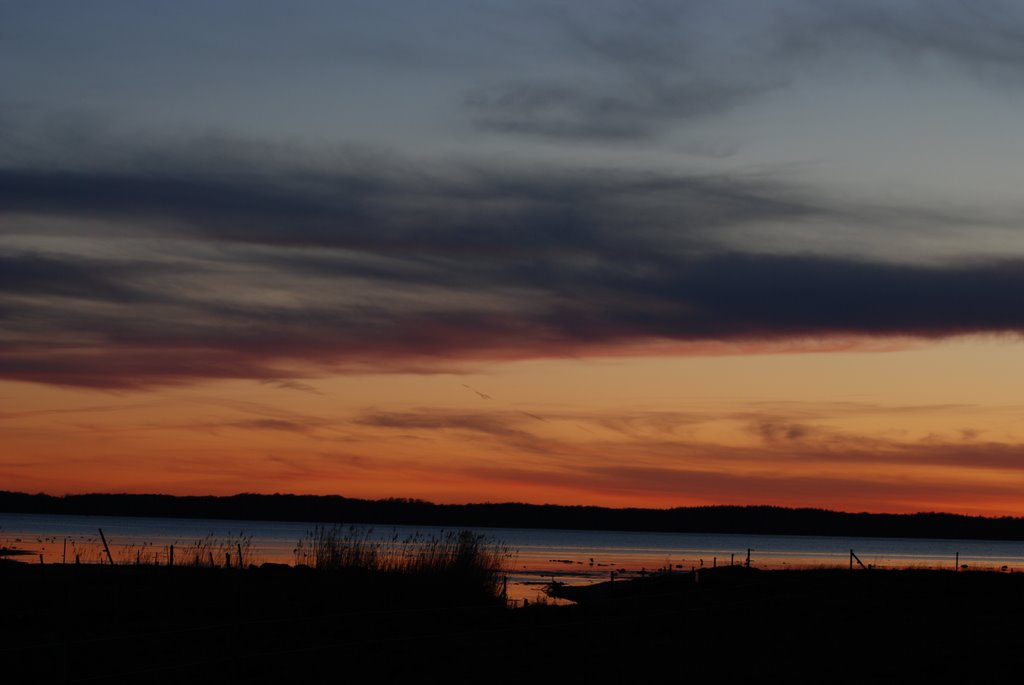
[{"x": 537, "y": 556}]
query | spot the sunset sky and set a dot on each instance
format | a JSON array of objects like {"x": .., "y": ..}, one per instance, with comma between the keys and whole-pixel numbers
[{"x": 617, "y": 252}]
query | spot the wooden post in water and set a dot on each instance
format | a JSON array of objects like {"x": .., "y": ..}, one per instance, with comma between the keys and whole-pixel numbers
[
  {"x": 40, "y": 559},
  {"x": 956, "y": 566},
  {"x": 64, "y": 558},
  {"x": 103, "y": 537},
  {"x": 748, "y": 556},
  {"x": 170, "y": 555},
  {"x": 732, "y": 559},
  {"x": 714, "y": 562}
]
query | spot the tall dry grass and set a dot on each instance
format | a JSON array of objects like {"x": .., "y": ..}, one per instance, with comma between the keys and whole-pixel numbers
[
  {"x": 216, "y": 551},
  {"x": 464, "y": 556}
]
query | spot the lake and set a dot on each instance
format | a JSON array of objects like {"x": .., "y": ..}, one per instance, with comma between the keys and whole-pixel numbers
[{"x": 537, "y": 556}]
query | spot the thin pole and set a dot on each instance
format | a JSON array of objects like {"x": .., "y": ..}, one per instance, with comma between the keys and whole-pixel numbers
[{"x": 106, "y": 547}]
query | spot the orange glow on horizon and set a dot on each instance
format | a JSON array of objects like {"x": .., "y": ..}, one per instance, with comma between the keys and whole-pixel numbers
[{"x": 920, "y": 429}]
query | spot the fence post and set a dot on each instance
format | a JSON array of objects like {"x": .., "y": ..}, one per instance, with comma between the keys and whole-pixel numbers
[{"x": 106, "y": 547}]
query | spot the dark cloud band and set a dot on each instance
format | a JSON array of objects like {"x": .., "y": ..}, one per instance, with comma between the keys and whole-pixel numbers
[{"x": 215, "y": 268}]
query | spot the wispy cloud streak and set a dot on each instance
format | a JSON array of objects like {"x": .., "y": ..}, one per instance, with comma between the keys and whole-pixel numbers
[{"x": 222, "y": 267}]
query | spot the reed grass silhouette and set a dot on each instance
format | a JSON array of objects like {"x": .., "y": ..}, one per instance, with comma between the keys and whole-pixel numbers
[{"x": 462, "y": 556}]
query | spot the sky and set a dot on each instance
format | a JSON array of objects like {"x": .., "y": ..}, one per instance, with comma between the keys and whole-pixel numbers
[{"x": 621, "y": 252}]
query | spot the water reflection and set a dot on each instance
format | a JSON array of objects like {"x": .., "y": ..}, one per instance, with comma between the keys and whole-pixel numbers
[{"x": 540, "y": 556}]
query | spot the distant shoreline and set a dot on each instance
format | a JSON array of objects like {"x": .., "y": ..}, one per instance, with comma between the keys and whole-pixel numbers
[{"x": 753, "y": 520}]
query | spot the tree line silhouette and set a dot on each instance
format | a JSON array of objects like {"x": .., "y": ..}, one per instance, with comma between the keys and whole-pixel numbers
[{"x": 400, "y": 511}]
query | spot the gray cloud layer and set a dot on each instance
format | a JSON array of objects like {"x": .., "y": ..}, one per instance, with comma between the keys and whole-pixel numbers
[
  {"x": 132, "y": 260},
  {"x": 219, "y": 267},
  {"x": 640, "y": 69}
]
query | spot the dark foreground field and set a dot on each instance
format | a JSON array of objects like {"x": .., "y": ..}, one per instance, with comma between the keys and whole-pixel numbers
[{"x": 278, "y": 624}]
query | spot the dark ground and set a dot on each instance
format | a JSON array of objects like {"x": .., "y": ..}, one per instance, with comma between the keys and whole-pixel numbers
[{"x": 183, "y": 625}]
